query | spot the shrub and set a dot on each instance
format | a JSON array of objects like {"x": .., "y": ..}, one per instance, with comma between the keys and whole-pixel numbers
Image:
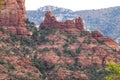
[
  {"x": 56, "y": 51},
  {"x": 43, "y": 68},
  {"x": 67, "y": 51},
  {"x": 46, "y": 30},
  {"x": 114, "y": 71},
  {"x": 78, "y": 50},
  {"x": 15, "y": 50},
  {"x": 29, "y": 74},
  {"x": 2, "y": 30},
  {"x": 30, "y": 25},
  {"x": 14, "y": 37},
  {"x": 1, "y": 4},
  {"x": 24, "y": 41},
  {"x": 10, "y": 66},
  {"x": 72, "y": 39},
  {"x": 26, "y": 50},
  {"x": 65, "y": 45},
  {"x": 45, "y": 49},
  {"x": 83, "y": 33},
  {"x": 1, "y": 60},
  {"x": 36, "y": 61},
  {"x": 88, "y": 41}
]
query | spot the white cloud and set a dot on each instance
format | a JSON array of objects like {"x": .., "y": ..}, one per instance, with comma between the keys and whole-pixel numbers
[{"x": 72, "y": 4}]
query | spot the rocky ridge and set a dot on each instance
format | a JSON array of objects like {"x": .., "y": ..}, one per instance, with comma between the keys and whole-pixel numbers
[
  {"x": 13, "y": 16},
  {"x": 105, "y": 20},
  {"x": 71, "y": 26}
]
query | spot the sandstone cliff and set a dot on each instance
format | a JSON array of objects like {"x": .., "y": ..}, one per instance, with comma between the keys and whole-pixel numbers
[
  {"x": 71, "y": 26},
  {"x": 13, "y": 16}
]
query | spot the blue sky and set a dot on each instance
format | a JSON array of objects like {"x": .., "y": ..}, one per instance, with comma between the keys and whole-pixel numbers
[{"x": 72, "y": 4}]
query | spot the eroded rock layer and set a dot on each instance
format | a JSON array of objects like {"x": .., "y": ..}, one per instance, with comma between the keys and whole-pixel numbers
[
  {"x": 13, "y": 16},
  {"x": 71, "y": 26}
]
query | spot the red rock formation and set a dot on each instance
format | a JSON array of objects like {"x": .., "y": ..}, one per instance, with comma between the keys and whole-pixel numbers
[
  {"x": 96, "y": 34},
  {"x": 110, "y": 41},
  {"x": 79, "y": 23},
  {"x": 99, "y": 37},
  {"x": 72, "y": 26},
  {"x": 13, "y": 16}
]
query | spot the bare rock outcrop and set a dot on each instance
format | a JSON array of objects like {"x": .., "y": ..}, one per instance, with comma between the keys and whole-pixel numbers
[
  {"x": 13, "y": 16},
  {"x": 71, "y": 26}
]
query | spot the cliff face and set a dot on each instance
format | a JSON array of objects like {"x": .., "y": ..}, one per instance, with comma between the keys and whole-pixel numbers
[
  {"x": 71, "y": 26},
  {"x": 13, "y": 16}
]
